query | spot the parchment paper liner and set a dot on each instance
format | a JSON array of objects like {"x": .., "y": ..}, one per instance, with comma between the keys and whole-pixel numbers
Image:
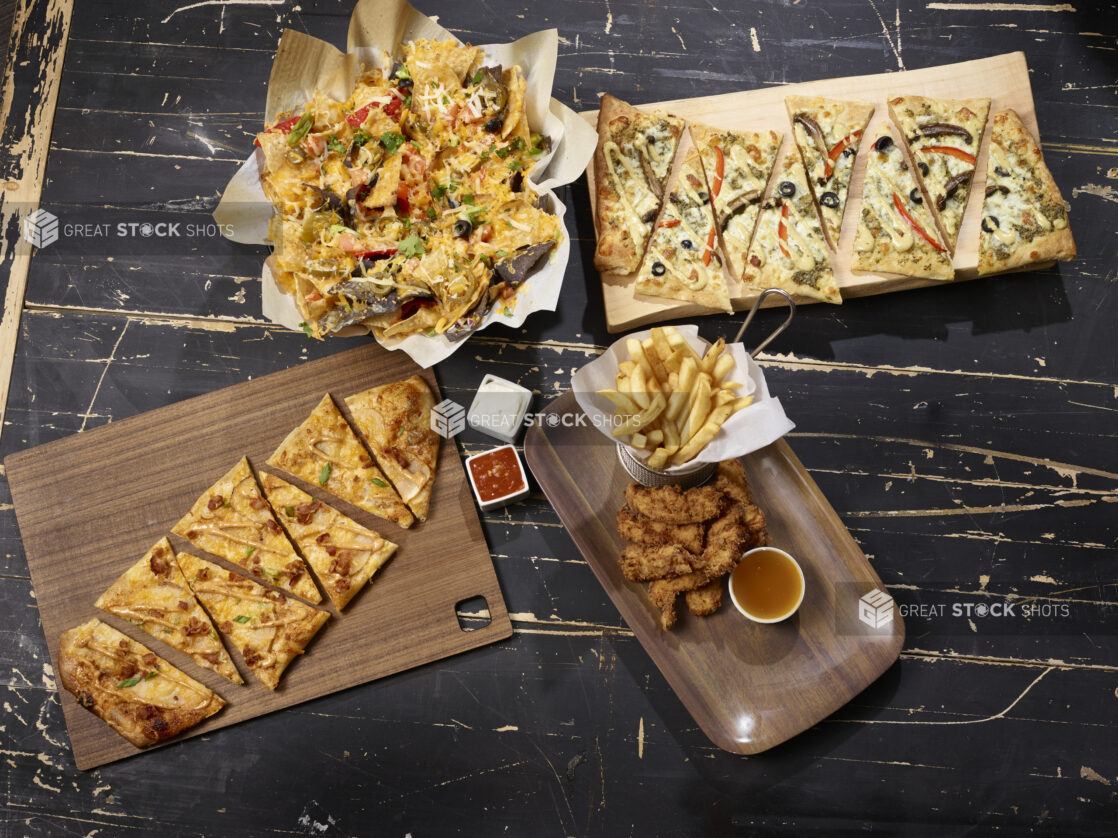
[
  {"x": 748, "y": 430},
  {"x": 376, "y": 29}
]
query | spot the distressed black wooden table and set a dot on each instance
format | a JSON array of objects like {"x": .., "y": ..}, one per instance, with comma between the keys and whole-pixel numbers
[{"x": 965, "y": 434}]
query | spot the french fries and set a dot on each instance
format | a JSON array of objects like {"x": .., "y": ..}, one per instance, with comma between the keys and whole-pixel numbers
[{"x": 670, "y": 400}]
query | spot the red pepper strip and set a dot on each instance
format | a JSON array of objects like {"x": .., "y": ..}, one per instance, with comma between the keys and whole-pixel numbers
[
  {"x": 313, "y": 297},
  {"x": 283, "y": 127},
  {"x": 673, "y": 223},
  {"x": 393, "y": 108},
  {"x": 411, "y": 306},
  {"x": 954, "y": 152},
  {"x": 402, "y": 203},
  {"x": 709, "y": 252},
  {"x": 719, "y": 172},
  {"x": 912, "y": 223},
  {"x": 840, "y": 147},
  {"x": 358, "y": 116},
  {"x": 782, "y": 231}
]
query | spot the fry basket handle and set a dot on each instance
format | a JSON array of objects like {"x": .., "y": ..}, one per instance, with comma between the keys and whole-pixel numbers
[{"x": 756, "y": 305}]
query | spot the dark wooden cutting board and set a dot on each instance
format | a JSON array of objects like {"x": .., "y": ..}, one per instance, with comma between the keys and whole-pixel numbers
[
  {"x": 90, "y": 505},
  {"x": 749, "y": 686}
]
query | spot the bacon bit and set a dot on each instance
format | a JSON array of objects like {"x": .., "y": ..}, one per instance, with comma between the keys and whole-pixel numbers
[
  {"x": 159, "y": 564},
  {"x": 195, "y": 627},
  {"x": 782, "y": 231},
  {"x": 694, "y": 181},
  {"x": 912, "y": 223},
  {"x": 294, "y": 566},
  {"x": 251, "y": 656},
  {"x": 257, "y": 503},
  {"x": 182, "y": 606},
  {"x": 203, "y": 574},
  {"x": 273, "y": 526},
  {"x": 330, "y": 549},
  {"x": 755, "y": 260},
  {"x": 227, "y": 627},
  {"x": 366, "y": 462},
  {"x": 212, "y": 657},
  {"x": 323, "y": 538},
  {"x": 839, "y": 148},
  {"x": 128, "y": 669},
  {"x": 399, "y": 457},
  {"x": 275, "y": 596},
  {"x": 965, "y": 156},
  {"x": 719, "y": 172},
  {"x": 234, "y": 577},
  {"x": 149, "y": 659},
  {"x": 340, "y": 565},
  {"x": 341, "y": 585},
  {"x": 215, "y": 502},
  {"x": 155, "y": 612}
]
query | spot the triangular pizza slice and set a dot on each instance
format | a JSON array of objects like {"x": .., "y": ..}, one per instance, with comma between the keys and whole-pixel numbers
[
  {"x": 1024, "y": 220},
  {"x": 943, "y": 136},
  {"x": 267, "y": 628},
  {"x": 896, "y": 233},
  {"x": 395, "y": 421},
  {"x": 827, "y": 133},
  {"x": 341, "y": 552},
  {"x": 788, "y": 249},
  {"x": 631, "y": 165},
  {"x": 737, "y": 165},
  {"x": 153, "y": 595},
  {"x": 232, "y": 520},
  {"x": 325, "y": 451},
  {"x": 682, "y": 261}
]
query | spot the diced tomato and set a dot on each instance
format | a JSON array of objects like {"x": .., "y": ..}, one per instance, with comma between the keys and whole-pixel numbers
[
  {"x": 719, "y": 171},
  {"x": 313, "y": 297},
  {"x": 912, "y": 223},
  {"x": 317, "y": 145},
  {"x": 452, "y": 112},
  {"x": 393, "y": 108},
  {"x": 951, "y": 150},
  {"x": 485, "y": 232},
  {"x": 349, "y": 243},
  {"x": 283, "y": 127},
  {"x": 782, "y": 231},
  {"x": 403, "y": 206},
  {"x": 358, "y": 117},
  {"x": 840, "y": 147}
]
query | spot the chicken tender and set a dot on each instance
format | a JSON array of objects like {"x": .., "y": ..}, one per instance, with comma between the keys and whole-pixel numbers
[
  {"x": 670, "y": 505},
  {"x": 705, "y": 600},
  {"x": 731, "y": 481},
  {"x": 665, "y": 599},
  {"x": 641, "y": 563},
  {"x": 635, "y": 527},
  {"x": 754, "y": 520},
  {"x": 725, "y": 543}
]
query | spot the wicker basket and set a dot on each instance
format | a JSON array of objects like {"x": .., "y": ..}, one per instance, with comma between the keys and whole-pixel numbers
[{"x": 695, "y": 474}]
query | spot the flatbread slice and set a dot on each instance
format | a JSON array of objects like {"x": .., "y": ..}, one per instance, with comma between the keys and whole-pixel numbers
[
  {"x": 896, "y": 233},
  {"x": 232, "y": 520},
  {"x": 631, "y": 165},
  {"x": 788, "y": 249},
  {"x": 828, "y": 132},
  {"x": 943, "y": 136},
  {"x": 395, "y": 422},
  {"x": 1024, "y": 218},
  {"x": 325, "y": 451},
  {"x": 153, "y": 595},
  {"x": 268, "y": 628},
  {"x": 682, "y": 261},
  {"x": 139, "y": 695},
  {"x": 343, "y": 553},
  {"x": 737, "y": 165}
]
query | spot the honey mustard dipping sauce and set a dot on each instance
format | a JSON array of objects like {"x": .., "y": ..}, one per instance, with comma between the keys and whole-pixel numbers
[{"x": 767, "y": 585}]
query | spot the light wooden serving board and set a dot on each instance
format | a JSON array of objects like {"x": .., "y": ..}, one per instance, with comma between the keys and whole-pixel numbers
[
  {"x": 748, "y": 686},
  {"x": 1002, "y": 78},
  {"x": 90, "y": 505}
]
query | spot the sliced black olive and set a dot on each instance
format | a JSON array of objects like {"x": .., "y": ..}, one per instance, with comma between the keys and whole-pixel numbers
[
  {"x": 787, "y": 188},
  {"x": 703, "y": 197},
  {"x": 883, "y": 143},
  {"x": 986, "y": 227},
  {"x": 462, "y": 228},
  {"x": 829, "y": 200},
  {"x": 650, "y": 216},
  {"x": 453, "y": 204},
  {"x": 494, "y": 125},
  {"x": 658, "y": 269},
  {"x": 998, "y": 170},
  {"x": 915, "y": 196},
  {"x": 848, "y": 151},
  {"x": 687, "y": 244},
  {"x": 516, "y": 182},
  {"x": 923, "y": 167}
]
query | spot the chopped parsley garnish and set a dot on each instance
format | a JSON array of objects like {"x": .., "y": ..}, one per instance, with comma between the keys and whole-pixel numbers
[
  {"x": 411, "y": 246},
  {"x": 430, "y": 334},
  {"x": 402, "y": 72},
  {"x": 241, "y": 618},
  {"x": 307, "y": 329},
  {"x": 468, "y": 198},
  {"x": 392, "y": 141},
  {"x": 508, "y": 312},
  {"x": 452, "y": 187},
  {"x": 376, "y": 480},
  {"x": 502, "y": 152},
  {"x": 518, "y": 143},
  {"x": 475, "y": 216},
  {"x": 289, "y": 511},
  {"x": 478, "y": 76},
  {"x": 516, "y": 165},
  {"x": 130, "y": 682},
  {"x": 535, "y": 151},
  {"x": 438, "y": 190},
  {"x": 324, "y": 475},
  {"x": 500, "y": 254},
  {"x": 407, "y": 101},
  {"x": 361, "y": 136},
  {"x": 335, "y": 145},
  {"x": 249, "y": 552},
  {"x": 150, "y": 675},
  {"x": 431, "y": 213}
]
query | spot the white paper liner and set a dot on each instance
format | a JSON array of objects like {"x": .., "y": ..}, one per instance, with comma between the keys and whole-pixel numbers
[
  {"x": 748, "y": 430},
  {"x": 246, "y": 211}
]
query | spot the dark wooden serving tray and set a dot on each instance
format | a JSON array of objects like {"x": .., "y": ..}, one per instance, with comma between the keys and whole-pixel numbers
[
  {"x": 90, "y": 505},
  {"x": 748, "y": 686}
]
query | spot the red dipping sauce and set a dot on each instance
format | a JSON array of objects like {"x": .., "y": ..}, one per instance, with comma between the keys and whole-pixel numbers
[{"x": 497, "y": 474}]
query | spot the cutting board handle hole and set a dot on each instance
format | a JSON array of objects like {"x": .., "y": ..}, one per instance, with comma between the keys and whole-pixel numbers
[{"x": 473, "y": 613}]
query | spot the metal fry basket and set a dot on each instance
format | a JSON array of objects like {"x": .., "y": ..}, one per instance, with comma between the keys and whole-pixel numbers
[{"x": 696, "y": 474}]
